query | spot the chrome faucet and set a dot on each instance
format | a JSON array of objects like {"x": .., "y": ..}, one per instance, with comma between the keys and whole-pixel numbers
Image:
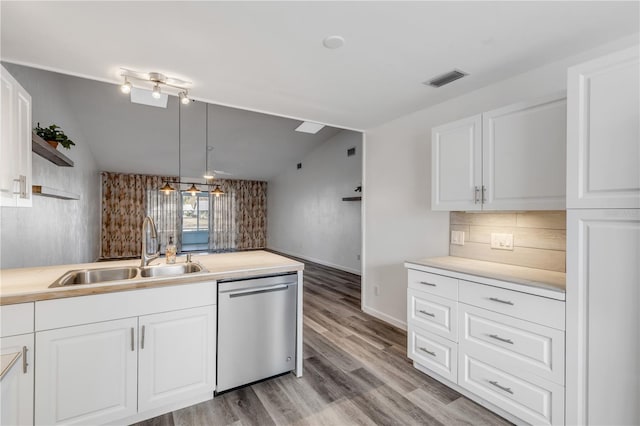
[{"x": 146, "y": 258}]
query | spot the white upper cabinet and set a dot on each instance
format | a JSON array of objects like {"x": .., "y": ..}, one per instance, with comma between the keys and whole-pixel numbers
[
  {"x": 603, "y": 168},
  {"x": 524, "y": 156},
  {"x": 457, "y": 165},
  {"x": 512, "y": 158},
  {"x": 15, "y": 145}
]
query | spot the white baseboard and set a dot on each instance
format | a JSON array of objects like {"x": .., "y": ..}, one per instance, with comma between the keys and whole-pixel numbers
[
  {"x": 384, "y": 317},
  {"x": 319, "y": 261}
]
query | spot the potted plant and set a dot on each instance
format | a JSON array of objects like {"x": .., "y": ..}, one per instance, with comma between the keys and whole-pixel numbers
[{"x": 54, "y": 136}]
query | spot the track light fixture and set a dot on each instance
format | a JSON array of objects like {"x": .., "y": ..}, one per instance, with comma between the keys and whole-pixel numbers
[
  {"x": 159, "y": 81},
  {"x": 126, "y": 86},
  {"x": 156, "y": 91},
  {"x": 184, "y": 98}
]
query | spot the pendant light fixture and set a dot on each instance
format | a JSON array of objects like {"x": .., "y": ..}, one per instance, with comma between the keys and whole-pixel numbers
[
  {"x": 167, "y": 188},
  {"x": 193, "y": 189},
  {"x": 217, "y": 191}
]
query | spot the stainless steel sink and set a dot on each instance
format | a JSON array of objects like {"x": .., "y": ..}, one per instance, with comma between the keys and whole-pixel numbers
[
  {"x": 170, "y": 270},
  {"x": 91, "y": 276}
]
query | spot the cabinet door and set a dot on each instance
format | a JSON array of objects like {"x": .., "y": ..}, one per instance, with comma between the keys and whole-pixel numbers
[
  {"x": 604, "y": 132},
  {"x": 177, "y": 356},
  {"x": 456, "y": 165},
  {"x": 8, "y": 149},
  {"x": 17, "y": 383},
  {"x": 603, "y": 319},
  {"x": 87, "y": 374},
  {"x": 524, "y": 155},
  {"x": 23, "y": 137},
  {"x": 15, "y": 145}
]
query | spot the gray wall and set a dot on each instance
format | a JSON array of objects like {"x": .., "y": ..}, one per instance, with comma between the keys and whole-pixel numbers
[
  {"x": 53, "y": 231},
  {"x": 306, "y": 216}
]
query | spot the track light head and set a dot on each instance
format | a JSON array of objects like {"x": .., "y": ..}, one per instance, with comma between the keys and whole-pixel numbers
[
  {"x": 184, "y": 98},
  {"x": 126, "y": 87},
  {"x": 156, "y": 91}
]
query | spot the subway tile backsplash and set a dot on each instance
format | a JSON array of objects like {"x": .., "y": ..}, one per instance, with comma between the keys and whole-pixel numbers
[{"x": 539, "y": 238}]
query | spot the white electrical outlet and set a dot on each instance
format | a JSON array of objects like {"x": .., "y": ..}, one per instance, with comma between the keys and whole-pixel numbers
[
  {"x": 501, "y": 241},
  {"x": 376, "y": 290},
  {"x": 457, "y": 238}
]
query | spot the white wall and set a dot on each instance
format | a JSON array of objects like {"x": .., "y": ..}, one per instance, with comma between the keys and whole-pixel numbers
[
  {"x": 398, "y": 222},
  {"x": 306, "y": 216},
  {"x": 53, "y": 231}
]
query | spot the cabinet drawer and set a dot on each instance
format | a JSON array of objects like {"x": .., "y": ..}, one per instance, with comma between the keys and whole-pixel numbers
[
  {"x": 435, "y": 284},
  {"x": 433, "y": 313},
  {"x": 534, "y": 401},
  {"x": 16, "y": 319},
  {"x": 434, "y": 352},
  {"x": 517, "y": 346},
  {"x": 537, "y": 309}
]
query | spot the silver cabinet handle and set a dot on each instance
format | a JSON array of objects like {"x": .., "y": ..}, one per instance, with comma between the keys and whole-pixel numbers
[
  {"x": 476, "y": 192},
  {"x": 133, "y": 348},
  {"x": 25, "y": 364},
  {"x": 142, "y": 339},
  {"x": 502, "y": 339},
  {"x": 428, "y": 283},
  {"x": 427, "y": 351},
  {"x": 506, "y": 302},
  {"x": 484, "y": 190},
  {"x": 22, "y": 190},
  {"x": 496, "y": 384},
  {"x": 427, "y": 313}
]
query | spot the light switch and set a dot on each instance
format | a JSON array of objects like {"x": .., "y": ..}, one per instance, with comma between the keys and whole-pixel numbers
[
  {"x": 457, "y": 238},
  {"x": 501, "y": 241}
]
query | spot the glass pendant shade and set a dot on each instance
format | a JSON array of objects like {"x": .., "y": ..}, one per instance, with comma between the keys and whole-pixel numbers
[
  {"x": 167, "y": 188},
  {"x": 217, "y": 191},
  {"x": 193, "y": 189}
]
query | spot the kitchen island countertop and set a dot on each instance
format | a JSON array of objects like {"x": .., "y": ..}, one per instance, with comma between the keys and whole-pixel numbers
[{"x": 22, "y": 285}]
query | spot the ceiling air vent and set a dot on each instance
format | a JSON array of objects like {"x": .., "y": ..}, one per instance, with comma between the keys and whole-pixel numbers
[{"x": 446, "y": 78}]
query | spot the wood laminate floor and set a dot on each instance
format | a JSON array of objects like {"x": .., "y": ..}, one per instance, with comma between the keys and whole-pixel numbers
[{"x": 356, "y": 372}]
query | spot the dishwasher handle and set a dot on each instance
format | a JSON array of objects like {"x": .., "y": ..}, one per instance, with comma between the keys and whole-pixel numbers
[{"x": 258, "y": 290}]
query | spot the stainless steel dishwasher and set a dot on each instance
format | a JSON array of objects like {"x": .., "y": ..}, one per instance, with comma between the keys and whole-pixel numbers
[{"x": 256, "y": 329}]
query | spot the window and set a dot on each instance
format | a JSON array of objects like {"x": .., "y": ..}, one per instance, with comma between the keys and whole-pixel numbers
[{"x": 195, "y": 221}]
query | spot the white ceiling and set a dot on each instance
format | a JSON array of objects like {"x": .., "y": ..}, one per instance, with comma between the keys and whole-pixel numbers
[{"x": 268, "y": 56}]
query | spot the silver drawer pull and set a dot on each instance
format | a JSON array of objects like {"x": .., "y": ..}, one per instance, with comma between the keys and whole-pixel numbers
[
  {"x": 428, "y": 283},
  {"x": 427, "y": 351},
  {"x": 132, "y": 344},
  {"x": 506, "y": 302},
  {"x": 494, "y": 383},
  {"x": 502, "y": 339},
  {"x": 25, "y": 364},
  {"x": 427, "y": 313}
]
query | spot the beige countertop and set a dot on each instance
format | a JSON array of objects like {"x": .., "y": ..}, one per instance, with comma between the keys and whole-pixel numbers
[
  {"x": 537, "y": 278},
  {"x": 32, "y": 284}
]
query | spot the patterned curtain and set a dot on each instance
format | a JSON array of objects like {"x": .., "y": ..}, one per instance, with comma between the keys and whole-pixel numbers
[
  {"x": 238, "y": 218},
  {"x": 166, "y": 212},
  {"x": 124, "y": 206}
]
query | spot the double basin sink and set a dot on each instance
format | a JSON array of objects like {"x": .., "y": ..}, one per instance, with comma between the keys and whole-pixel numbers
[{"x": 101, "y": 275}]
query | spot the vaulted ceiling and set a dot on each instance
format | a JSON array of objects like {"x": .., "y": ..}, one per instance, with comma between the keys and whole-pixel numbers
[{"x": 269, "y": 56}]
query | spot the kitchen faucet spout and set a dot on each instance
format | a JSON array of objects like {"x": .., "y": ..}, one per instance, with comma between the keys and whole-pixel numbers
[{"x": 146, "y": 257}]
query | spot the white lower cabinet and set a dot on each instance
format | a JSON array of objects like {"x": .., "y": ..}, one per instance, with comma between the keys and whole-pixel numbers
[
  {"x": 157, "y": 355},
  {"x": 534, "y": 401},
  {"x": 434, "y": 352},
  {"x": 17, "y": 383},
  {"x": 176, "y": 356},
  {"x": 503, "y": 348},
  {"x": 87, "y": 374}
]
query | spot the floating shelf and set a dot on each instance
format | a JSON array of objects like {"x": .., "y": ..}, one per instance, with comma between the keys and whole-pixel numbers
[
  {"x": 352, "y": 199},
  {"x": 45, "y": 191},
  {"x": 44, "y": 150}
]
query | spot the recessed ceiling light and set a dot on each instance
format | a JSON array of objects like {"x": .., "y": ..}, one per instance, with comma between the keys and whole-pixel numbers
[
  {"x": 333, "y": 42},
  {"x": 309, "y": 127}
]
